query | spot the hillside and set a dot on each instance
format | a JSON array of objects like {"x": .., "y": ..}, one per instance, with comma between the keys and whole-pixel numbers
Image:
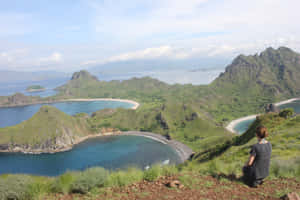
[
  {"x": 18, "y": 99},
  {"x": 176, "y": 120},
  {"x": 48, "y": 130},
  {"x": 283, "y": 135},
  {"x": 251, "y": 82},
  {"x": 246, "y": 87}
]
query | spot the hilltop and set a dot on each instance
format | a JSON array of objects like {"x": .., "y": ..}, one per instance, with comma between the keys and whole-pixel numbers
[
  {"x": 49, "y": 130},
  {"x": 251, "y": 82}
]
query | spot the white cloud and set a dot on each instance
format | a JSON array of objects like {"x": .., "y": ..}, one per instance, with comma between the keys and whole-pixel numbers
[
  {"x": 146, "y": 54},
  {"x": 53, "y": 58},
  {"x": 151, "y": 29}
]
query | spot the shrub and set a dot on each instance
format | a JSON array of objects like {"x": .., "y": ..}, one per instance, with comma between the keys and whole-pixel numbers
[
  {"x": 39, "y": 188},
  {"x": 62, "y": 184},
  {"x": 169, "y": 170},
  {"x": 153, "y": 173},
  {"x": 15, "y": 187},
  {"x": 93, "y": 177},
  {"x": 286, "y": 113},
  {"x": 123, "y": 178},
  {"x": 285, "y": 168}
]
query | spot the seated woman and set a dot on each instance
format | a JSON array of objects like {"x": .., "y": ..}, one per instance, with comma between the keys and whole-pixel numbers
[{"x": 257, "y": 167}]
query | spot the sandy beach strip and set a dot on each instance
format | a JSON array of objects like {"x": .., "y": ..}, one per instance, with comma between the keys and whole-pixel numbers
[
  {"x": 232, "y": 124},
  {"x": 134, "y": 107},
  {"x": 286, "y": 101}
]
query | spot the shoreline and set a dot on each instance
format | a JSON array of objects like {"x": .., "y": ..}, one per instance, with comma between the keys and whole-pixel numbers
[
  {"x": 233, "y": 123},
  {"x": 64, "y": 149},
  {"x": 134, "y": 107},
  {"x": 36, "y": 90},
  {"x": 286, "y": 101},
  {"x": 183, "y": 151}
]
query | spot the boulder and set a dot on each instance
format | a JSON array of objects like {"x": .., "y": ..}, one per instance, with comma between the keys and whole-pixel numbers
[{"x": 291, "y": 196}]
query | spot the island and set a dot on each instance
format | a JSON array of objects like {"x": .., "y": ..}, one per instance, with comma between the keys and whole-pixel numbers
[
  {"x": 195, "y": 115},
  {"x": 35, "y": 88}
]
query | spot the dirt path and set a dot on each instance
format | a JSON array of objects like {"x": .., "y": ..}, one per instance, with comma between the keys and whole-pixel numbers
[{"x": 196, "y": 188}]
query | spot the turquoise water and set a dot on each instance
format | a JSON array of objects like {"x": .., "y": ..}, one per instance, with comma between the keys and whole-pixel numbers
[
  {"x": 15, "y": 115},
  {"x": 295, "y": 105},
  {"x": 244, "y": 125},
  {"x": 111, "y": 152}
]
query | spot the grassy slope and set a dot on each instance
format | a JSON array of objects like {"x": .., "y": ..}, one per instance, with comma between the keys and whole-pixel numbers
[
  {"x": 47, "y": 124},
  {"x": 284, "y": 137},
  {"x": 179, "y": 121}
]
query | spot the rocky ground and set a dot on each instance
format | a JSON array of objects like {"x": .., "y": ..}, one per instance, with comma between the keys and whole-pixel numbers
[{"x": 193, "y": 188}]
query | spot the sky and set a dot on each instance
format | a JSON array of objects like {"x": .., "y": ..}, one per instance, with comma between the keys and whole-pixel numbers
[{"x": 68, "y": 35}]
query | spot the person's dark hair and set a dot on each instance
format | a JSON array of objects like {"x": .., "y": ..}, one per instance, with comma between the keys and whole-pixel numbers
[{"x": 261, "y": 132}]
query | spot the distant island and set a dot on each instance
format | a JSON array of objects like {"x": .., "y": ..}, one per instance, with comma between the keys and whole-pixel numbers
[{"x": 35, "y": 88}]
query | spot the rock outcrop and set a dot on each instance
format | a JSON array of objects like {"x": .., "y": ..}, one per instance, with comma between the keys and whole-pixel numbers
[{"x": 271, "y": 108}]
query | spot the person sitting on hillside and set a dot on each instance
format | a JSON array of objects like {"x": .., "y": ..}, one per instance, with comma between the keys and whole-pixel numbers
[{"x": 257, "y": 167}]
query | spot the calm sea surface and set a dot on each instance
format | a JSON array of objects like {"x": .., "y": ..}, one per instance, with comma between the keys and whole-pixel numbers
[
  {"x": 111, "y": 152},
  {"x": 15, "y": 115}
]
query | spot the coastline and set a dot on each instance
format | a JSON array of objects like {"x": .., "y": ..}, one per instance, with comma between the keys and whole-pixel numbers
[
  {"x": 232, "y": 124},
  {"x": 66, "y": 148},
  {"x": 286, "y": 101},
  {"x": 36, "y": 90},
  {"x": 183, "y": 151},
  {"x": 134, "y": 107}
]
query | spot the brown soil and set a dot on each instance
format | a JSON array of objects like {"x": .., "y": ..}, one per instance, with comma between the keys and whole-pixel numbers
[{"x": 196, "y": 188}]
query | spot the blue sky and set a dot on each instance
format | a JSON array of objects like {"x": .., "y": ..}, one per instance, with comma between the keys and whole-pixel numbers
[{"x": 68, "y": 35}]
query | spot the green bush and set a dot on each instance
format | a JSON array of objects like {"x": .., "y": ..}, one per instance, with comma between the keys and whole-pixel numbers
[
  {"x": 15, "y": 187},
  {"x": 62, "y": 184},
  {"x": 39, "y": 188},
  {"x": 169, "y": 170},
  {"x": 93, "y": 177},
  {"x": 153, "y": 173},
  {"x": 123, "y": 178},
  {"x": 285, "y": 168},
  {"x": 286, "y": 113}
]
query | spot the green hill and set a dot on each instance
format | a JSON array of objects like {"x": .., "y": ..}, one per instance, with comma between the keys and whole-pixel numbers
[
  {"x": 48, "y": 130},
  {"x": 251, "y": 82},
  {"x": 247, "y": 85}
]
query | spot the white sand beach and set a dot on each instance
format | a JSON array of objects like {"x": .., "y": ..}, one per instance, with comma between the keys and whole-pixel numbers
[
  {"x": 232, "y": 124},
  {"x": 286, "y": 101},
  {"x": 135, "y": 104}
]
